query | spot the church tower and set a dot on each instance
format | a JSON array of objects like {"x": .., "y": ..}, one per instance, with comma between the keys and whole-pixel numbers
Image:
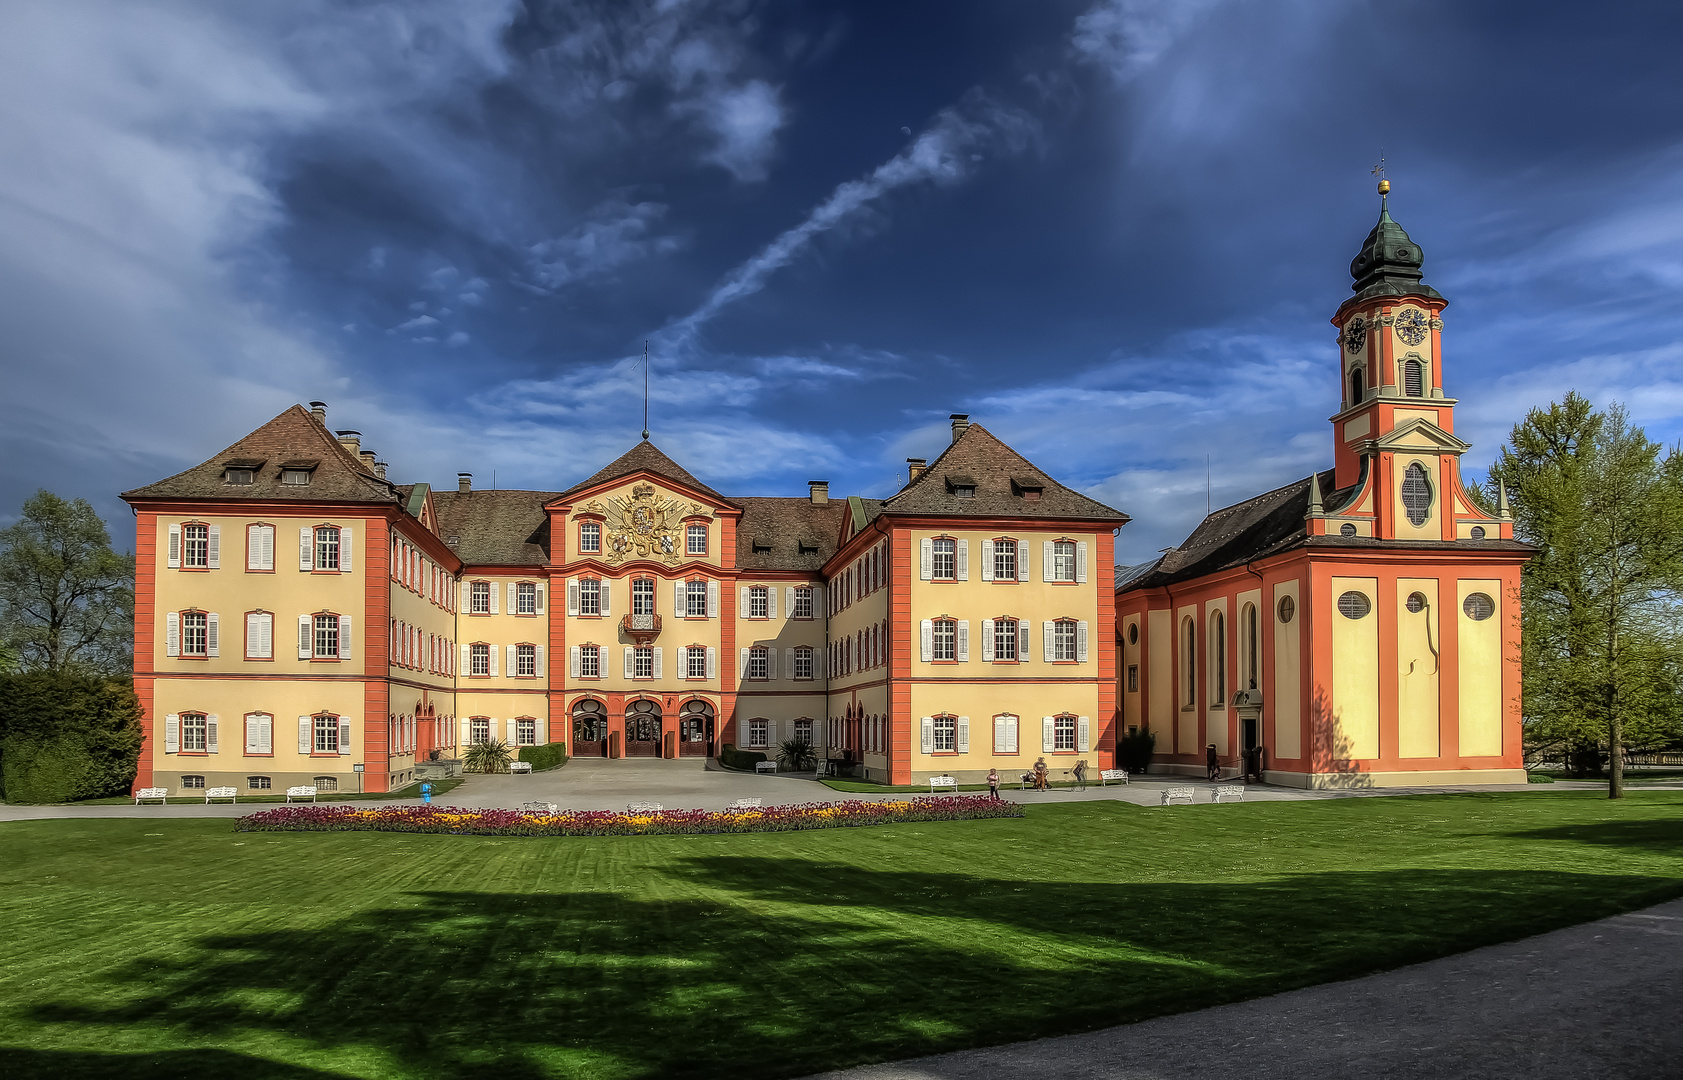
[{"x": 1398, "y": 474}]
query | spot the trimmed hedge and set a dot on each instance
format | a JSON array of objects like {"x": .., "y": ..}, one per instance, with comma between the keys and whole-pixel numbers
[
  {"x": 732, "y": 758},
  {"x": 67, "y": 737},
  {"x": 548, "y": 756}
]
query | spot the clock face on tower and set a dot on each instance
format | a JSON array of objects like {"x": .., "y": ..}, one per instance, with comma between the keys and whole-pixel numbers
[
  {"x": 1355, "y": 335},
  {"x": 1411, "y": 326}
]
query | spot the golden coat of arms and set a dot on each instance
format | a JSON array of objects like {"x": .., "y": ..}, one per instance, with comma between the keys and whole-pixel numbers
[{"x": 644, "y": 524}]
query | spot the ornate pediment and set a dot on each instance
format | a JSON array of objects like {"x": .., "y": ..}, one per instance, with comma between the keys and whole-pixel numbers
[
  {"x": 1418, "y": 435},
  {"x": 644, "y": 524}
]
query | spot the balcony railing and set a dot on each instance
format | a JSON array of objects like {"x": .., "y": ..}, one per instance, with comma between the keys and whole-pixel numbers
[{"x": 642, "y": 628}]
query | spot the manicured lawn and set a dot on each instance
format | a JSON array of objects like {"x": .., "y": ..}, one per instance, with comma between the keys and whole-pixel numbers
[
  {"x": 412, "y": 791},
  {"x": 169, "y": 948}
]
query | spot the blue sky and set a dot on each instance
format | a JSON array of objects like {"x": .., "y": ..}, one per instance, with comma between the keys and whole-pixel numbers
[{"x": 1112, "y": 231}]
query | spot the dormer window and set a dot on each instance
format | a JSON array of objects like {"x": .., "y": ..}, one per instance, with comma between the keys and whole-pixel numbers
[
  {"x": 1027, "y": 488},
  {"x": 964, "y": 491},
  {"x": 761, "y": 545},
  {"x": 238, "y": 476},
  {"x": 296, "y": 477}
]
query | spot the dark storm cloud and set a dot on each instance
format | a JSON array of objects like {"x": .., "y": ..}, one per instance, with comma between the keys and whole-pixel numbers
[{"x": 1112, "y": 231}]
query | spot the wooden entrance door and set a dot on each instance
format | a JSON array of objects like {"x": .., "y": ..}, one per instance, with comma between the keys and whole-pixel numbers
[
  {"x": 642, "y": 729},
  {"x": 590, "y": 729}
]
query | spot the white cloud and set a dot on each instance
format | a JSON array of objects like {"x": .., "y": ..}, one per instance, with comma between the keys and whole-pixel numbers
[
  {"x": 744, "y": 121},
  {"x": 1129, "y": 36},
  {"x": 616, "y": 233}
]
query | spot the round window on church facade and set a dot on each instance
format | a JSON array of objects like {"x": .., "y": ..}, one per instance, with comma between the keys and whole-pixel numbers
[
  {"x": 1416, "y": 603},
  {"x": 1347, "y": 529},
  {"x": 1286, "y": 609},
  {"x": 1354, "y": 605},
  {"x": 1478, "y": 606},
  {"x": 1478, "y": 532}
]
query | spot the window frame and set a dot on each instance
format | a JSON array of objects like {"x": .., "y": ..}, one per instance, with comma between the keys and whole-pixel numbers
[
  {"x": 245, "y": 625},
  {"x": 695, "y": 657},
  {"x": 318, "y": 627},
  {"x": 642, "y": 589},
  {"x": 524, "y": 652},
  {"x": 802, "y": 653},
  {"x": 203, "y": 620},
  {"x": 526, "y": 596},
  {"x": 945, "y": 729},
  {"x": 695, "y": 598},
  {"x": 936, "y": 555},
  {"x": 1059, "y": 626},
  {"x": 476, "y": 589},
  {"x": 808, "y": 595},
  {"x": 1014, "y": 639},
  {"x": 642, "y": 661},
  {"x": 1015, "y": 555},
  {"x": 759, "y": 664},
  {"x": 476, "y": 724},
  {"x": 691, "y": 529},
  {"x": 274, "y": 531},
  {"x": 935, "y": 634},
  {"x": 190, "y": 543},
  {"x": 592, "y": 653},
  {"x": 759, "y": 733},
  {"x": 199, "y": 723},
  {"x": 1058, "y": 564},
  {"x": 590, "y": 527},
  {"x": 591, "y": 587},
  {"x": 333, "y": 543},
  {"x": 268, "y": 783},
  {"x": 520, "y": 725},
  {"x": 324, "y": 728},
  {"x": 1059, "y": 722},
  {"x": 474, "y": 654},
  {"x": 759, "y": 602}
]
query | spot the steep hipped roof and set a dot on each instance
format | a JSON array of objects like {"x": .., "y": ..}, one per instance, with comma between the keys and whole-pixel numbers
[
  {"x": 495, "y": 528},
  {"x": 644, "y": 457},
  {"x": 1002, "y": 479},
  {"x": 793, "y": 533},
  {"x": 293, "y": 437}
]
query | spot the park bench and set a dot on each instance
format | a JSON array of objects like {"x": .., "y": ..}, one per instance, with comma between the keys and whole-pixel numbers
[
  {"x": 948, "y": 782},
  {"x": 519, "y": 766},
  {"x": 158, "y": 793},
  {"x": 1232, "y": 793},
  {"x": 305, "y": 791},
  {"x": 643, "y": 808},
  {"x": 231, "y": 794},
  {"x": 1107, "y": 775},
  {"x": 765, "y": 766},
  {"x": 538, "y": 808},
  {"x": 744, "y": 804},
  {"x": 1173, "y": 795}
]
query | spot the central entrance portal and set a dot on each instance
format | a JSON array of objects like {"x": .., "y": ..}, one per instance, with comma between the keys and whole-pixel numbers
[
  {"x": 642, "y": 729},
  {"x": 590, "y": 729},
  {"x": 695, "y": 729}
]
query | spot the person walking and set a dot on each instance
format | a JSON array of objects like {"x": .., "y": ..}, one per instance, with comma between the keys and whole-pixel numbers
[
  {"x": 993, "y": 784},
  {"x": 1081, "y": 775},
  {"x": 1212, "y": 764}
]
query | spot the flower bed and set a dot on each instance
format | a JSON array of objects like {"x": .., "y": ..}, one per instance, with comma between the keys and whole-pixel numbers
[{"x": 474, "y": 822}]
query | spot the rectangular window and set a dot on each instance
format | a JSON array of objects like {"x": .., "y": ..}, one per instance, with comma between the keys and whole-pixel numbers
[
  {"x": 590, "y": 662},
  {"x": 525, "y": 598},
  {"x": 1063, "y": 561},
  {"x": 803, "y": 602},
  {"x": 327, "y": 637},
  {"x": 803, "y": 663},
  {"x": 479, "y": 659},
  {"x": 1005, "y": 639},
  {"x": 260, "y": 547},
  {"x": 525, "y": 659},
  {"x": 759, "y": 603},
  {"x": 526, "y": 731},
  {"x": 696, "y": 665},
  {"x": 642, "y": 596},
  {"x": 327, "y": 735},
  {"x": 1005, "y": 734},
  {"x": 757, "y": 732},
  {"x": 1133, "y": 678},
  {"x": 695, "y": 540},
  {"x": 192, "y": 781},
  {"x": 1005, "y": 560},
  {"x": 695, "y": 599},
  {"x": 757, "y": 662},
  {"x": 803, "y": 731},
  {"x": 195, "y": 546},
  {"x": 946, "y": 640},
  {"x": 258, "y": 783},
  {"x": 946, "y": 734},
  {"x": 1063, "y": 733},
  {"x": 327, "y": 548},
  {"x": 298, "y": 477},
  {"x": 479, "y": 602},
  {"x": 479, "y": 730},
  {"x": 590, "y": 537},
  {"x": 1063, "y": 640},
  {"x": 944, "y": 562},
  {"x": 259, "y": 636},
  {"x": 642, "y": 662},
  {"x": 193, "y": 728},
  {"x": 195, "y": 634},
  {"x": 590, "y": 597},
  {"x": 245, "y": 476}
]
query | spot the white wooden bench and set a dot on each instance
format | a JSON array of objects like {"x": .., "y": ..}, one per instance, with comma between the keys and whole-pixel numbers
[
  {"x": 538, "y": 808},
  {"x": 765, "y": 766},
  {"x": 159, "y": 793},
  {"x": 519, "y": 766},
  {"x": 305, "y": 791},
  {"x": 744, "y": 804},
  {"x": 1107, "y": 775},
  {"x": 643, "y": 808},
  {"x": 948, "y": 782},
  {"x": 231, "y": 794},
  {"x": 1230, "y": 792},
  {"x": 1173, "y": 795}
]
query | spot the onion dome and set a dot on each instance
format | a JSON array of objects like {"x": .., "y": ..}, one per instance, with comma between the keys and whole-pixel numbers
[{"x": 1389, "y": 262}]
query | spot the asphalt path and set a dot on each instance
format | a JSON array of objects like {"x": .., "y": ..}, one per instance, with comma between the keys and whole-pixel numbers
[{"x": 1592, "y": 1002}]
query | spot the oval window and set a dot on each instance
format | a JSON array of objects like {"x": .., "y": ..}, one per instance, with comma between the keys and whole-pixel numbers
[
  {"x": 1347, "y": 529},
  {"x": 1478, "y": 532},
  {"x": 1133, "y": 633},
  {"x": 1416, "y": 602},
  {"x": 1287, "y": 608},
  {"x": 1478, "y": 606},
  {"x": 1354, "y": 605}
]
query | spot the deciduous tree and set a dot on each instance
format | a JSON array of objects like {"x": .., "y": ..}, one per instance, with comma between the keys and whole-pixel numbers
[{"x": 66, "y": 598}]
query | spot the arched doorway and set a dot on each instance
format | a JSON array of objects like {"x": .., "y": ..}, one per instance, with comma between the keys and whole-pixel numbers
[
  {"x": 695, "y": 729},
  {"x": 590, "y": 729},
  {"x": 642, "y": 729}
]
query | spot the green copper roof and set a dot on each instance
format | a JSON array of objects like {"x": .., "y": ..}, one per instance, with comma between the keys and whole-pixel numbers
[{"x": 1389, "y": 263}]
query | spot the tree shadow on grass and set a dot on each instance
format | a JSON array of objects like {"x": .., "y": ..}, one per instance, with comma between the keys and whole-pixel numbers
[
  {"x": 160, "y": 1065},
  {"x": 807, "y": 966},
  {"x": 1663, "y": 836}
]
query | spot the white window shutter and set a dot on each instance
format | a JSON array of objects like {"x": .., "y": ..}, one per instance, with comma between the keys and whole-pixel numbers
[
  {"x": 1022, "y": 560},
  {"x": 789, "y": 663},
  {"x": 306, "y": 724},
  {"x": 573, "y": 661},
  {"x": 963, "y": 640},
  {"x": 771, "y": 663},
  {"x": 1023, "y": 636},
  {"x": 344, "y": 637},
  {"x": 172, "y": 634},
  {"x": 928, "y": 640},
  {"x": 771, "y": 732},
  {"x": 999, "y": 735},
  {"x": 605, "y": 595},
  {"x": 213, "y": 548},
  {"x": 630, "y": 662},
  {"x": 1046, "y": 560},
  {"x": 963, "y": 548},
  {"x": 172, "y": 733},
  {"x": 1047, "y": 739},
  {"x": 771, "y": 601},
  {"x": 268, "y": 532},
  {"x": 508, "y": 660},
  {"x": 251, "y": 734},
  {"x": 1048, "y": 629},
  {"x": 572, "y": 596},
  {"x": 491, "y": 659},
  {"x": 537, "y": 662},
  {"x": 658, "y": 653},
  {"x": 712, "y": 599},
  {"x": 175, "y": 547},
  {"x": 987, "y": 640},
  {"x": 743, "y": 671},
  {"x": 742, "y": 612},
  {"x": 987, "y": 560},
  {"x": 496, "y": 592},
  {"x": 306, "y": 549},
  {"x": 1011, "y": 723},
  {"x": 789, "y": 601},
  {"x": 513, "y": 729},
  {"x": 679, "y": 607},
  {"x": 927, "y": 723},
  {"x": 927, "y": 546},
  {"x": 344, "y": 734},
  {"x": 1081, "y": 561},
  {"x": 467, "y": 660},
  {"x": 265, "y": 734},
  {"x": 213, "y": 634},
  {"x": 539, "y": 590},
  {"x": 513, "y": 597},
  {"x": 1081, "y": 641},
  {"x": 254, "y": 547},
  {"x": 306, "y": 638},
  {"x": 1083, "y": 730},
  {"x": 347, "y": 549},
  {"x": 681, "y": 656},
  {"x": 212, "y": 744},
  {"x": 712, "y": 662},
  {"x": 964, "y": 734}
]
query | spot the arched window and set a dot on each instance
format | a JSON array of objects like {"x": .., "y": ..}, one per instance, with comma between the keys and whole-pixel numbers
[
  {"x": 1356, "y": 386},
  {"x": 1416, "y": 494},
  {"x": 1414, "y": 378},
  {"x": 1218, "y": 659},
  {"x": 1250, "y": 647},
  {"x": 1189, "y": 666}
]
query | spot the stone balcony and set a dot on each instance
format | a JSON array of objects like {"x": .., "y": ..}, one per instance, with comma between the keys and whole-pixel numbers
[{"x": 642, "y": 629}]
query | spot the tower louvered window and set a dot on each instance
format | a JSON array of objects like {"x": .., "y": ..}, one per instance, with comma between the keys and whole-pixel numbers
[
  {"x": 1416, "y": 494},
  {"x": 1414, "y": 378}
]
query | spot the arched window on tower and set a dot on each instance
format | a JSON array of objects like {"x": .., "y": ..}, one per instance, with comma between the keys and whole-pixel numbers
[
  {"x": 1356, "y": 386},
  {"x": 1414, "y": 378},
  {"x": 1416, "y": 494}
]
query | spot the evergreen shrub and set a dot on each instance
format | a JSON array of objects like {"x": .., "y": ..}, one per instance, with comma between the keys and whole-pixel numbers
[
  {"x": 66, "y": 737},
  {"x": 548, "y": 756},
  {"x": 1135, "y": 750},
  {"x": 732, "y": 758}
]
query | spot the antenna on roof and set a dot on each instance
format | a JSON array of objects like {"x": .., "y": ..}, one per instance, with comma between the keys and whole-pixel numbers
[
  {"x": 645, "y": 389},
  {"x": 1206, "y": 485}
]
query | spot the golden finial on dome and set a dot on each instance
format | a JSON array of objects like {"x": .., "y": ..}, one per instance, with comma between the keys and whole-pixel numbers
[{"x": 1384, "y": 187}]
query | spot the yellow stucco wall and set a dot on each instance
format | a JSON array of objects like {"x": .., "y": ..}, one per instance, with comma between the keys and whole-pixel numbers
[
  {"x": 1355, "y": 670},
  {"x": 1480, "y": 654},
  {"x": 1418, "y": 645},
  {"x": 1031, "y": 703},
  {"x": 1287, "y": 687},
  {"x": 1128, "y": 655},
  {"x": 1432, "y": 527},
  {"x": 1186, "y": 725},
  {"x": 1160, "y": 626}
]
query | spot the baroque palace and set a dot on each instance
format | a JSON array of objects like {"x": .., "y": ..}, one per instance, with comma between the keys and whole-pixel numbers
[{"x": 303, "y": 619}]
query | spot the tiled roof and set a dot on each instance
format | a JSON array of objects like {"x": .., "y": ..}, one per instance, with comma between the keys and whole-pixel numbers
[
  {"x": 293, "y": 436},
  {"x": 645, "y": 456},
  {"x": 495, "y": 528},
  {"x": 1000, "y": 475},
  {"x": 800, "y": 535}
]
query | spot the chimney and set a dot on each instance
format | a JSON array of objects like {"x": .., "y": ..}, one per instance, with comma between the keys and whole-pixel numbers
[
  {"x": 318, "y": 412},
  {"x": 914, "y": 468},
  {"x": 961, "y": 421},
  {"x": 367, "y": 457},
  {"x": 464, "y": 481},
  {"x": 820, "y": 492},
  {"x": 351, "y": 440},
  {"x": 380, "y": 469}
]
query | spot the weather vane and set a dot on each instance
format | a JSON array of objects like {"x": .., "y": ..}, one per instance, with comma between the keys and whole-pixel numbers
[
  {"x": 1379, "y": 171},
  {"x": 645, "y": 390}
]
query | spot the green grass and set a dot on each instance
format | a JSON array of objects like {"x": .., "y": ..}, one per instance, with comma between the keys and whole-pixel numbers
[
  {"x": 412, "y": 791},
  {"x": 154, "y": 948}
]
